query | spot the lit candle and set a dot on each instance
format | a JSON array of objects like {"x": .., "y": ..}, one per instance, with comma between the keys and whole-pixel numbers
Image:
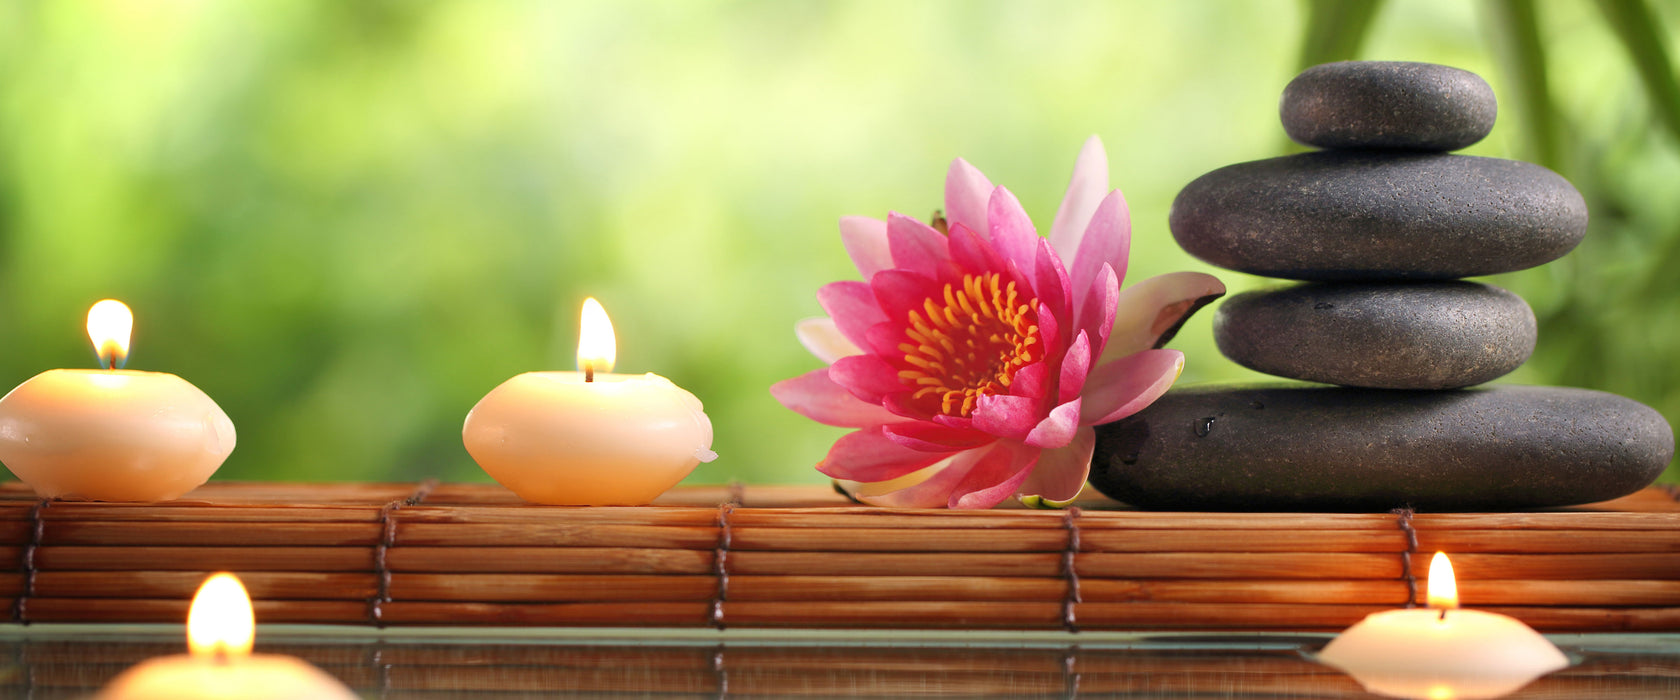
[
  {"x": 1442, "y": 652},
  {"x": 589, "y": 437},
  {"x": 112, "y": 434},
  {"x": 220, "y": 630}
]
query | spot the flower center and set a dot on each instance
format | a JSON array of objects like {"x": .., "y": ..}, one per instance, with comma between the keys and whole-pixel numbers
[{"x": 969, "y": 346}]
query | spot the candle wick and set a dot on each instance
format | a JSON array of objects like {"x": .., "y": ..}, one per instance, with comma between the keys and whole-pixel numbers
[
  {"x": 221, "y": 656},
  {"x": 1443, "y": 614},
  {"x": 588, "y": 372}
]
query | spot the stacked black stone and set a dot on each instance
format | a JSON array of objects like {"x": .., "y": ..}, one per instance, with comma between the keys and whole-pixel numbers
[{"x": 1380, "y": 225}]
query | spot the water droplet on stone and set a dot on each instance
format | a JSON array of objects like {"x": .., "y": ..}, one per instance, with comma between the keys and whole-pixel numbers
[
  {"x": 1256, "y": 405},
  {"x": 1129, "y": 459},
  {"x": 1204, "y": 426},
  {"x": 1324, "y": 305}
]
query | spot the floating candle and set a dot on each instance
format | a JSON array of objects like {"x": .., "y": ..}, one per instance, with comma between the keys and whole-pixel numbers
[
  {"x": 1442, "y": 652},
  {"x": 220, "y": 665},
  {"x": 112, "y": 434},
  {"x": 589, "y": 437}
]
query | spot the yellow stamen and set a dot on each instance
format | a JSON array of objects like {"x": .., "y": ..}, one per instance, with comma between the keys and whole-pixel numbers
[{"x": 996, "y": 330}]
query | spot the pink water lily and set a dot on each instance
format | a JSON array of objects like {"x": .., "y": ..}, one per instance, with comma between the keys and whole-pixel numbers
[{"x": 972, "y": 361}]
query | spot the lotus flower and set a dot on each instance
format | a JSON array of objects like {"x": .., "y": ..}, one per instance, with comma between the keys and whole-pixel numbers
[{"x": 972, "y": 361}]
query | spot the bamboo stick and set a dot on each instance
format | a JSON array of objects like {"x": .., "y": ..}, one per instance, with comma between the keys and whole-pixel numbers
[
  {"x": 249, "y": 533},
  {"x": 1588, "y": 593},
  {"x": 549, "y": 560},
  {"x": 242, "y": 559},
  {"x": 516, "y": 588},
  {"x": 1664, "y": 567},
  {"x": 204, "y": 534},
  {"x": 262, "y": 585},
  {"x": 893, "y": 614},
  {"x": 1093, "y": 565},
  {"x": 174, "y": 611},
  {"x": 669, "y": 614},
  {"x": 553, "y": 532}
]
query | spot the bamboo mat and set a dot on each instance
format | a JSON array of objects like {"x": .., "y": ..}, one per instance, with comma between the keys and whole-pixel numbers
[{"x": 469, "y": 554}]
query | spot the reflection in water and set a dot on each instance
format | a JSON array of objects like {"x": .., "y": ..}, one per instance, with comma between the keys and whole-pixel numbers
[{"x": 60, "y": 665}]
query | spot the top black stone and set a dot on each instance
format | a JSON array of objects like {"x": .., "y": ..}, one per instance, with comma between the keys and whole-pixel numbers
[{"x": 1388, "y": 105}]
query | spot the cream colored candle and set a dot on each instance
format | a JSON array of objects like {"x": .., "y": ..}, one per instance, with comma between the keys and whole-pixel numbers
[
  {"x": 112, "y": 434},
  {"x": 220, "y": 665},
  {"x": 1442, "y": 652},
  {"x": 589, "y": 437}
]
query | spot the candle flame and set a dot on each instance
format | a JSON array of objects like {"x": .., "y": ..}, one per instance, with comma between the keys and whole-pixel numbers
[
  {"x": 220, "y": 622},
  {"x": 109, "y": 324},
  {"x": 1443, "y": 586},
  {"x": 597, "y": 347}
]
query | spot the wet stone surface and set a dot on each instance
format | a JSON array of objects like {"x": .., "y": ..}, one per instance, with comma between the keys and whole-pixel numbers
[
  {"x": 1297, "y": 447},
  {"x": 1388, "y": 105},
  {"x": 1424, "y": 335},
  {"x": 1365, "y": 215}
]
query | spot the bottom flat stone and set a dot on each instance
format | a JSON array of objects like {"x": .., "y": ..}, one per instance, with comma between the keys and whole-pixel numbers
[{"x": 1311, "y": 448}]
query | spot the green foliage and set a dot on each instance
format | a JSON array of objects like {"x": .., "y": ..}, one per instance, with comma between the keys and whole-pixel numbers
[{"x": 347, "y": 221}]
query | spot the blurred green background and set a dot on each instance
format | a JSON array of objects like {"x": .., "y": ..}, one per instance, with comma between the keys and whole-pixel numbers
[{"x": 348, "y": 221}]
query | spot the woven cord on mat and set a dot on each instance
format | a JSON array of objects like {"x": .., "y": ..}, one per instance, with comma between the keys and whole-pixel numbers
[
  {"x": 387, "y": 538},
  {"x": 720, "y": 562},
  {"x": 1405, "y": 523},
  {"x": 26, "y": 561},
  {"x": 1070, "y": 522}
]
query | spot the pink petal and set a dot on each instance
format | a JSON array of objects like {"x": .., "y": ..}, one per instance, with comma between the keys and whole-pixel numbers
[
  {"x": 817, "y": 397},
  {"x": 866, "y": 377},
  {"x": 1050, "y": 279},
  {"x": 1085, "y": 190},
  {"x": 954, "y": 421},
  {"x": 900, "y": 404},
  {"x": 932, "y": 437},
  {"x": 1076, "y": 364},
  {"x": 916, "y": 246},
  {"x": 1050, "y": 331},
  {"x": 1012, "y": 232},
  {"x": 966, "y": 194},
  {"x": 1150, "y": 312},
  {"x": 971, "y": 252},
  {"x": 884, "y": 340},
  {"x": 1125, "y": 386},
  {"x": 1057, "y": 428},
  {"x": 867, "y": 455},
  {"x": 866, "y": 241},
  {"x": 852, "y": 306},
  {"x": 1005, "y": 416},
  {"x": 1061, "y": 472},
  {"x": 824, "y": 339},
  {"x": 898, "y": 292},
  {"x": 994, "y": 478},
  {"x": 1108, "y": 240},
  {"x": 1031, "y": 381},
  {"x": 935, "y": 491},
  {"x": 1096, "y": 311}
]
